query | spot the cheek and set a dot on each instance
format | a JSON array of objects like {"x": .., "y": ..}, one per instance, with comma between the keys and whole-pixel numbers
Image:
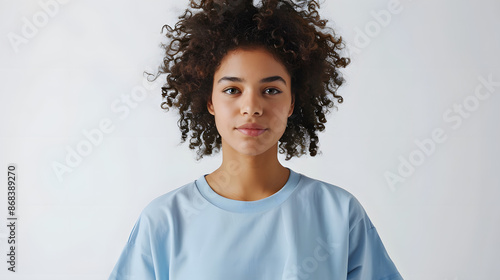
[
  {"x": 223, "y": 110},
  {"x": 223, "y": 121},
  {"x": 279, "y": 116}
]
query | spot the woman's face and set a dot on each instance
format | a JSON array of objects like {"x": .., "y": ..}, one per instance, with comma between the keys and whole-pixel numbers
[{"x": 251, "y": 88}]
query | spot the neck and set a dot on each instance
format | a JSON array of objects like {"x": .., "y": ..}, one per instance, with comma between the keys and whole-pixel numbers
[{"x": 248, "y": 178}]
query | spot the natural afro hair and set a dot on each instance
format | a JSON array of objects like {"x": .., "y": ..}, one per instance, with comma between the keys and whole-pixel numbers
[{"x": 292, "y": 31}]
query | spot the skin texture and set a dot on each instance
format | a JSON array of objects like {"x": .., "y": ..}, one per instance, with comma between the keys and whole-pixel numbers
[{"x": 241, "y": 95}]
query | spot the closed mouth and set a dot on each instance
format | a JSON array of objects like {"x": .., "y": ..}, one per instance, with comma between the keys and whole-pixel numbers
[{"x": 251, "y": 131}]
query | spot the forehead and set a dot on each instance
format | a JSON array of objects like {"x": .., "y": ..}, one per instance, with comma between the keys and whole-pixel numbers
[{"x": 255, "y": 62}]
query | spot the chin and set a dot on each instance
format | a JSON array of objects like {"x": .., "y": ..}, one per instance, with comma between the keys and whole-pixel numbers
[
  {"x": 256, "y": 151},
  {"x": 250, "y": 152}
]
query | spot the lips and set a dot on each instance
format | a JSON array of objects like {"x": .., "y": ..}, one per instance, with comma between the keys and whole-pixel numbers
[{"x": 251, "y": 129}]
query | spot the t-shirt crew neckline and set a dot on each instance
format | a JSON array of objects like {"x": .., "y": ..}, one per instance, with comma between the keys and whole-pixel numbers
[{"x": 241, "y": 206}]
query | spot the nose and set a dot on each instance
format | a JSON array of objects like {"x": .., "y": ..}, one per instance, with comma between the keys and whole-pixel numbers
[{"x": 251, "y": 103}]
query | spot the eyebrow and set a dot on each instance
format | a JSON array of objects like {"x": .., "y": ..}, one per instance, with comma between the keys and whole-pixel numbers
[{"x": 265, "y": 80}]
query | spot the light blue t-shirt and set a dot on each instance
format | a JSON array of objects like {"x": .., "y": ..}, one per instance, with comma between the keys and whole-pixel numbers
[{"x": 309, "y": 229}]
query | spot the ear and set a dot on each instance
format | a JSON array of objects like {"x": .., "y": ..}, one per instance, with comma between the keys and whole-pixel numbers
[
  {"x": 210, "y": 107},
  {"x": 292, "y": 106}
]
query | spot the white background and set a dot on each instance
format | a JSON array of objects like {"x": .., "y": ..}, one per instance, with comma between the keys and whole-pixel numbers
[{"x": 407, "y": 74}]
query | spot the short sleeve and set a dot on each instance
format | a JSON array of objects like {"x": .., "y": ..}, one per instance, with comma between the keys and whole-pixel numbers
[
  {"x": 368, "y": 258},
  {"x": 141, "y": 258}
]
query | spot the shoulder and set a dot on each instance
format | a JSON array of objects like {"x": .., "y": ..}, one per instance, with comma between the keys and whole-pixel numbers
[
  {"x": 160, "y": 214},
  {"x": 319, "y": 186},
  {"x": 169, "y": 201},
  {"x": 328, "y": 190},
  {"x": 334, "y": 197}
]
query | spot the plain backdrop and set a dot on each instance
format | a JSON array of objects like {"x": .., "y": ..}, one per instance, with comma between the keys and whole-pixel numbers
[{"x": 416, "y": 140}]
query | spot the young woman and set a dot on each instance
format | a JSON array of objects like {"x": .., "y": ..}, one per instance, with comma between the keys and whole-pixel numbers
[{"x": 253, "y": 81}]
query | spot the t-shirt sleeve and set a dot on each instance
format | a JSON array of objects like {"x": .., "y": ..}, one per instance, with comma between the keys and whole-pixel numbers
[
  {"x": 140, "y": 259},
  {"x": 368, "y": 258}
]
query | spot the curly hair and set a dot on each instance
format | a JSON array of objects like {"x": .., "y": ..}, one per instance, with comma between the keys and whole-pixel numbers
[{"x": 292, "y": 31}]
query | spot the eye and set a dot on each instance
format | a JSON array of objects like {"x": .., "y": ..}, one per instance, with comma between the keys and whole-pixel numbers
[
  {"x": 231, "y": 91},
  {"x": 272, "y": 91}
]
